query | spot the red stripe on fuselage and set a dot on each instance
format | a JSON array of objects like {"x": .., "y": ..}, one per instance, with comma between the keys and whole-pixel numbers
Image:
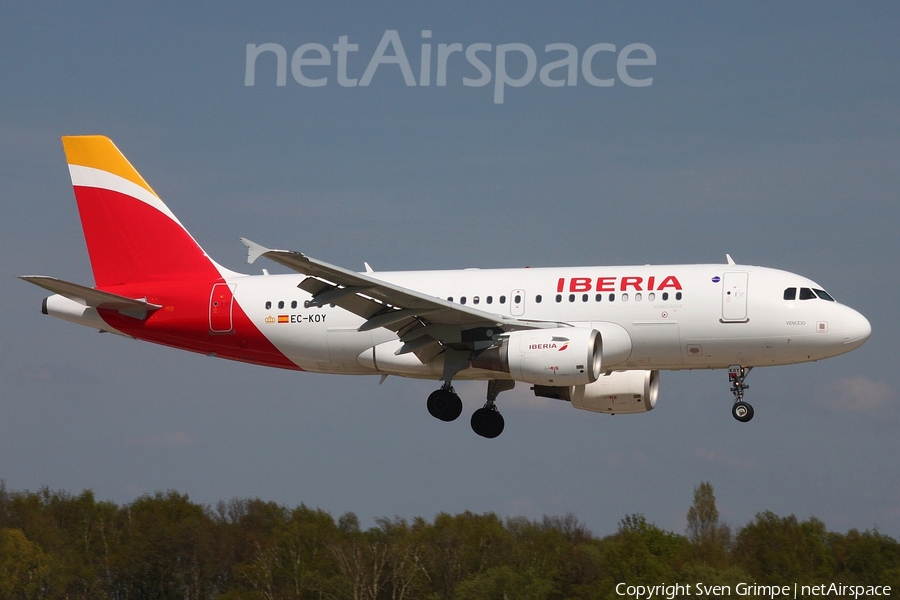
[{"x": 183, "y": 322}]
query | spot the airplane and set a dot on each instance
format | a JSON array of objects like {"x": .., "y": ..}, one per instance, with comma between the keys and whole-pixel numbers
[{"x": 596, "y": 337}]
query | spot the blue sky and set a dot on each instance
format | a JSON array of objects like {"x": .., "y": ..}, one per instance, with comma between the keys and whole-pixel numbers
[{"x": 771, "y": 133}]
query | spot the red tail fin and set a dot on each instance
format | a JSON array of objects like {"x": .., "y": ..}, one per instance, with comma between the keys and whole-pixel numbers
[{"x": 131, "y": 235}]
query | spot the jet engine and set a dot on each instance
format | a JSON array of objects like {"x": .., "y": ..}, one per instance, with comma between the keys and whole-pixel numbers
[
  {"x": 618, "y": 393},
  {"x": 567, "y": 356}
]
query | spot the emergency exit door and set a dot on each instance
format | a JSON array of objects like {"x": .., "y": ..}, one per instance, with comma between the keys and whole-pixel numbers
[
  {"x": 220, "y": 305},
  {"x": 734, "y": 297}
]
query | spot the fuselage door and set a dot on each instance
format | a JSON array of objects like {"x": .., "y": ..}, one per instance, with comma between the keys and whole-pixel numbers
[
  {"x": 220, "y": 305},
  {"x": 734, "y": 297},
  {"x": 517, "y": 303}
]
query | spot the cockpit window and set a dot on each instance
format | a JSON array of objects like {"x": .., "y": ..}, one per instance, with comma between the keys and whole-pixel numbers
[
  {"x": 807, "y": 294},
  {"x": 823, "y": 295}
]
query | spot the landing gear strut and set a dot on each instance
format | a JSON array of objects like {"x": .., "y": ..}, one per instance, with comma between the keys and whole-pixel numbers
[
  {"x": 444, "y": 404},
  {"x": 742, "y": 411},
  {"x": 487, "y": 421}
]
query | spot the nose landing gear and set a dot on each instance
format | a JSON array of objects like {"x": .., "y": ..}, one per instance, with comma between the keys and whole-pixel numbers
[{"x": 742, "y": 411}]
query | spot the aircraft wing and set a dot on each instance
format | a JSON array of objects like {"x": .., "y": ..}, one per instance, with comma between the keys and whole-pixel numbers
[{"x": 417, "y": 317}]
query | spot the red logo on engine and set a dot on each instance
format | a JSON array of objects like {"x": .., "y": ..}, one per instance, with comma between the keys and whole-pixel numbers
[
  {"x": 541, "y": 346},
  {"x": 564, "y": 346}
]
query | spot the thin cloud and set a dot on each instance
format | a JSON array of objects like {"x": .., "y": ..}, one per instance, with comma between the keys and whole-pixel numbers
[
  {"x": 857, "y": 394},
  {"x": 723, "y": 459},
  {"x": 169, "y": 439}
]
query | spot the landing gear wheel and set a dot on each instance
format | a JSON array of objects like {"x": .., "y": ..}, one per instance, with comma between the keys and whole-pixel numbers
[
  {"x": 742, "y": 411},
  {"x": 444, "y": 404},
  {"x": 487, "y": 422}
]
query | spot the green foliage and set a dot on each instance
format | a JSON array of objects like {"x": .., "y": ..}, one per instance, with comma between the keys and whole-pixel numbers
[
  {"x": 712, "y": 576},
  {"x": 709, "y": 538},
  {"x": 500, "y": 583},
  {"x": 775, "y": 549},
  {"x": 57, "y": 545},
  {"x": 640, "y": 552},
  {"x": 866, "y": 558},
  {"x": 24, "y": 568}
]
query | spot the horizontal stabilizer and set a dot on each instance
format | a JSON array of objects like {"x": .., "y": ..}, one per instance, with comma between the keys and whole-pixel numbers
[{"x": 93, "y": 298}]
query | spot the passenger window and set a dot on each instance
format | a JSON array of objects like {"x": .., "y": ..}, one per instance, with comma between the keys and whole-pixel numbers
[
  {"x": 293, "y": 304},
  {"x": 476, "y": 300},
  {"x": 462, "y": 299},
  {"x": 571, "y": 297},
  {"x": 449, "y": 298},
  {"x": 538, "y": 298},
  {"x": 268, "y": 305},
  {"x": 651, "y": 296},
  {"x": 281, "y": 304},
  {"x": 489, "y": 299},
  {"x": 584, "y": 298},
  {"x": 665, "y": 296},
  {"x": 806, "y": 294},
  {"x": 790, "y": 294},
  {"x": 823, "y": 295},
  {"x": 624, "y": 297},
  {"x": 502, "y": 299},
  {"x": 612, "y": 297},
  {"x": 678, "y": 295},
  {"x": 518, "y": 299},
  {"x": 637, "y": 297},
  {"x": 599, "y": 297}
]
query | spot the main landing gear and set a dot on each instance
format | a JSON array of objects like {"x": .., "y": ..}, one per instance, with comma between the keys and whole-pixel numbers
[
  {"x": 742, "y": 411},
  {"x": 487, "y": 420},
  {"x": 444, "y": 404}
]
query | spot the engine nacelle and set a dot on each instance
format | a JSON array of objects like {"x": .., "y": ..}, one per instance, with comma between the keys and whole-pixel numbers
[
  {"x": 619, "y": 393},
  {"x": 567, "y": 356}
]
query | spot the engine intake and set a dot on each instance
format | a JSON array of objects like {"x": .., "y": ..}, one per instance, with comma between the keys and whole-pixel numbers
[{"x": 564, "y": 356}]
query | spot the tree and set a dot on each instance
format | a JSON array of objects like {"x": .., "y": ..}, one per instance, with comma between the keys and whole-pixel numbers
[
  {"x": 168, "y": 548},
  {"x": 774, "y": 550},
  {"x": 504, "y": 582},
  {"x": 455, "y": 547},
  {"x": 641, "y": 551},
  {"x": 710, "y": 540},
  {"x": 867, "y": 558},
  {"x": 24, "y": 567}
]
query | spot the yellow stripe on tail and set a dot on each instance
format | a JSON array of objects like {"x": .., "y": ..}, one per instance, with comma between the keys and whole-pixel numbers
[{"x": 99, "y": 152}]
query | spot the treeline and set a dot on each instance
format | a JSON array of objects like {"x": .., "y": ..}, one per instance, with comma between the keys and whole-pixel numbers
[{"x": 58, "y": 545}]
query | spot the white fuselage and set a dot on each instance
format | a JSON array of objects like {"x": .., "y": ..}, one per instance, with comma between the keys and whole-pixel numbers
[{"x": 651, "y": 317}]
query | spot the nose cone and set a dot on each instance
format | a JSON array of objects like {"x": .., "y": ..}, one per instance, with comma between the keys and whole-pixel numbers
[{"x": 856, "y": 329}]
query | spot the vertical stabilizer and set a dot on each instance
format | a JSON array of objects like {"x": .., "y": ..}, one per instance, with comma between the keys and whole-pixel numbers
[{"x": 131, "y": 235}]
